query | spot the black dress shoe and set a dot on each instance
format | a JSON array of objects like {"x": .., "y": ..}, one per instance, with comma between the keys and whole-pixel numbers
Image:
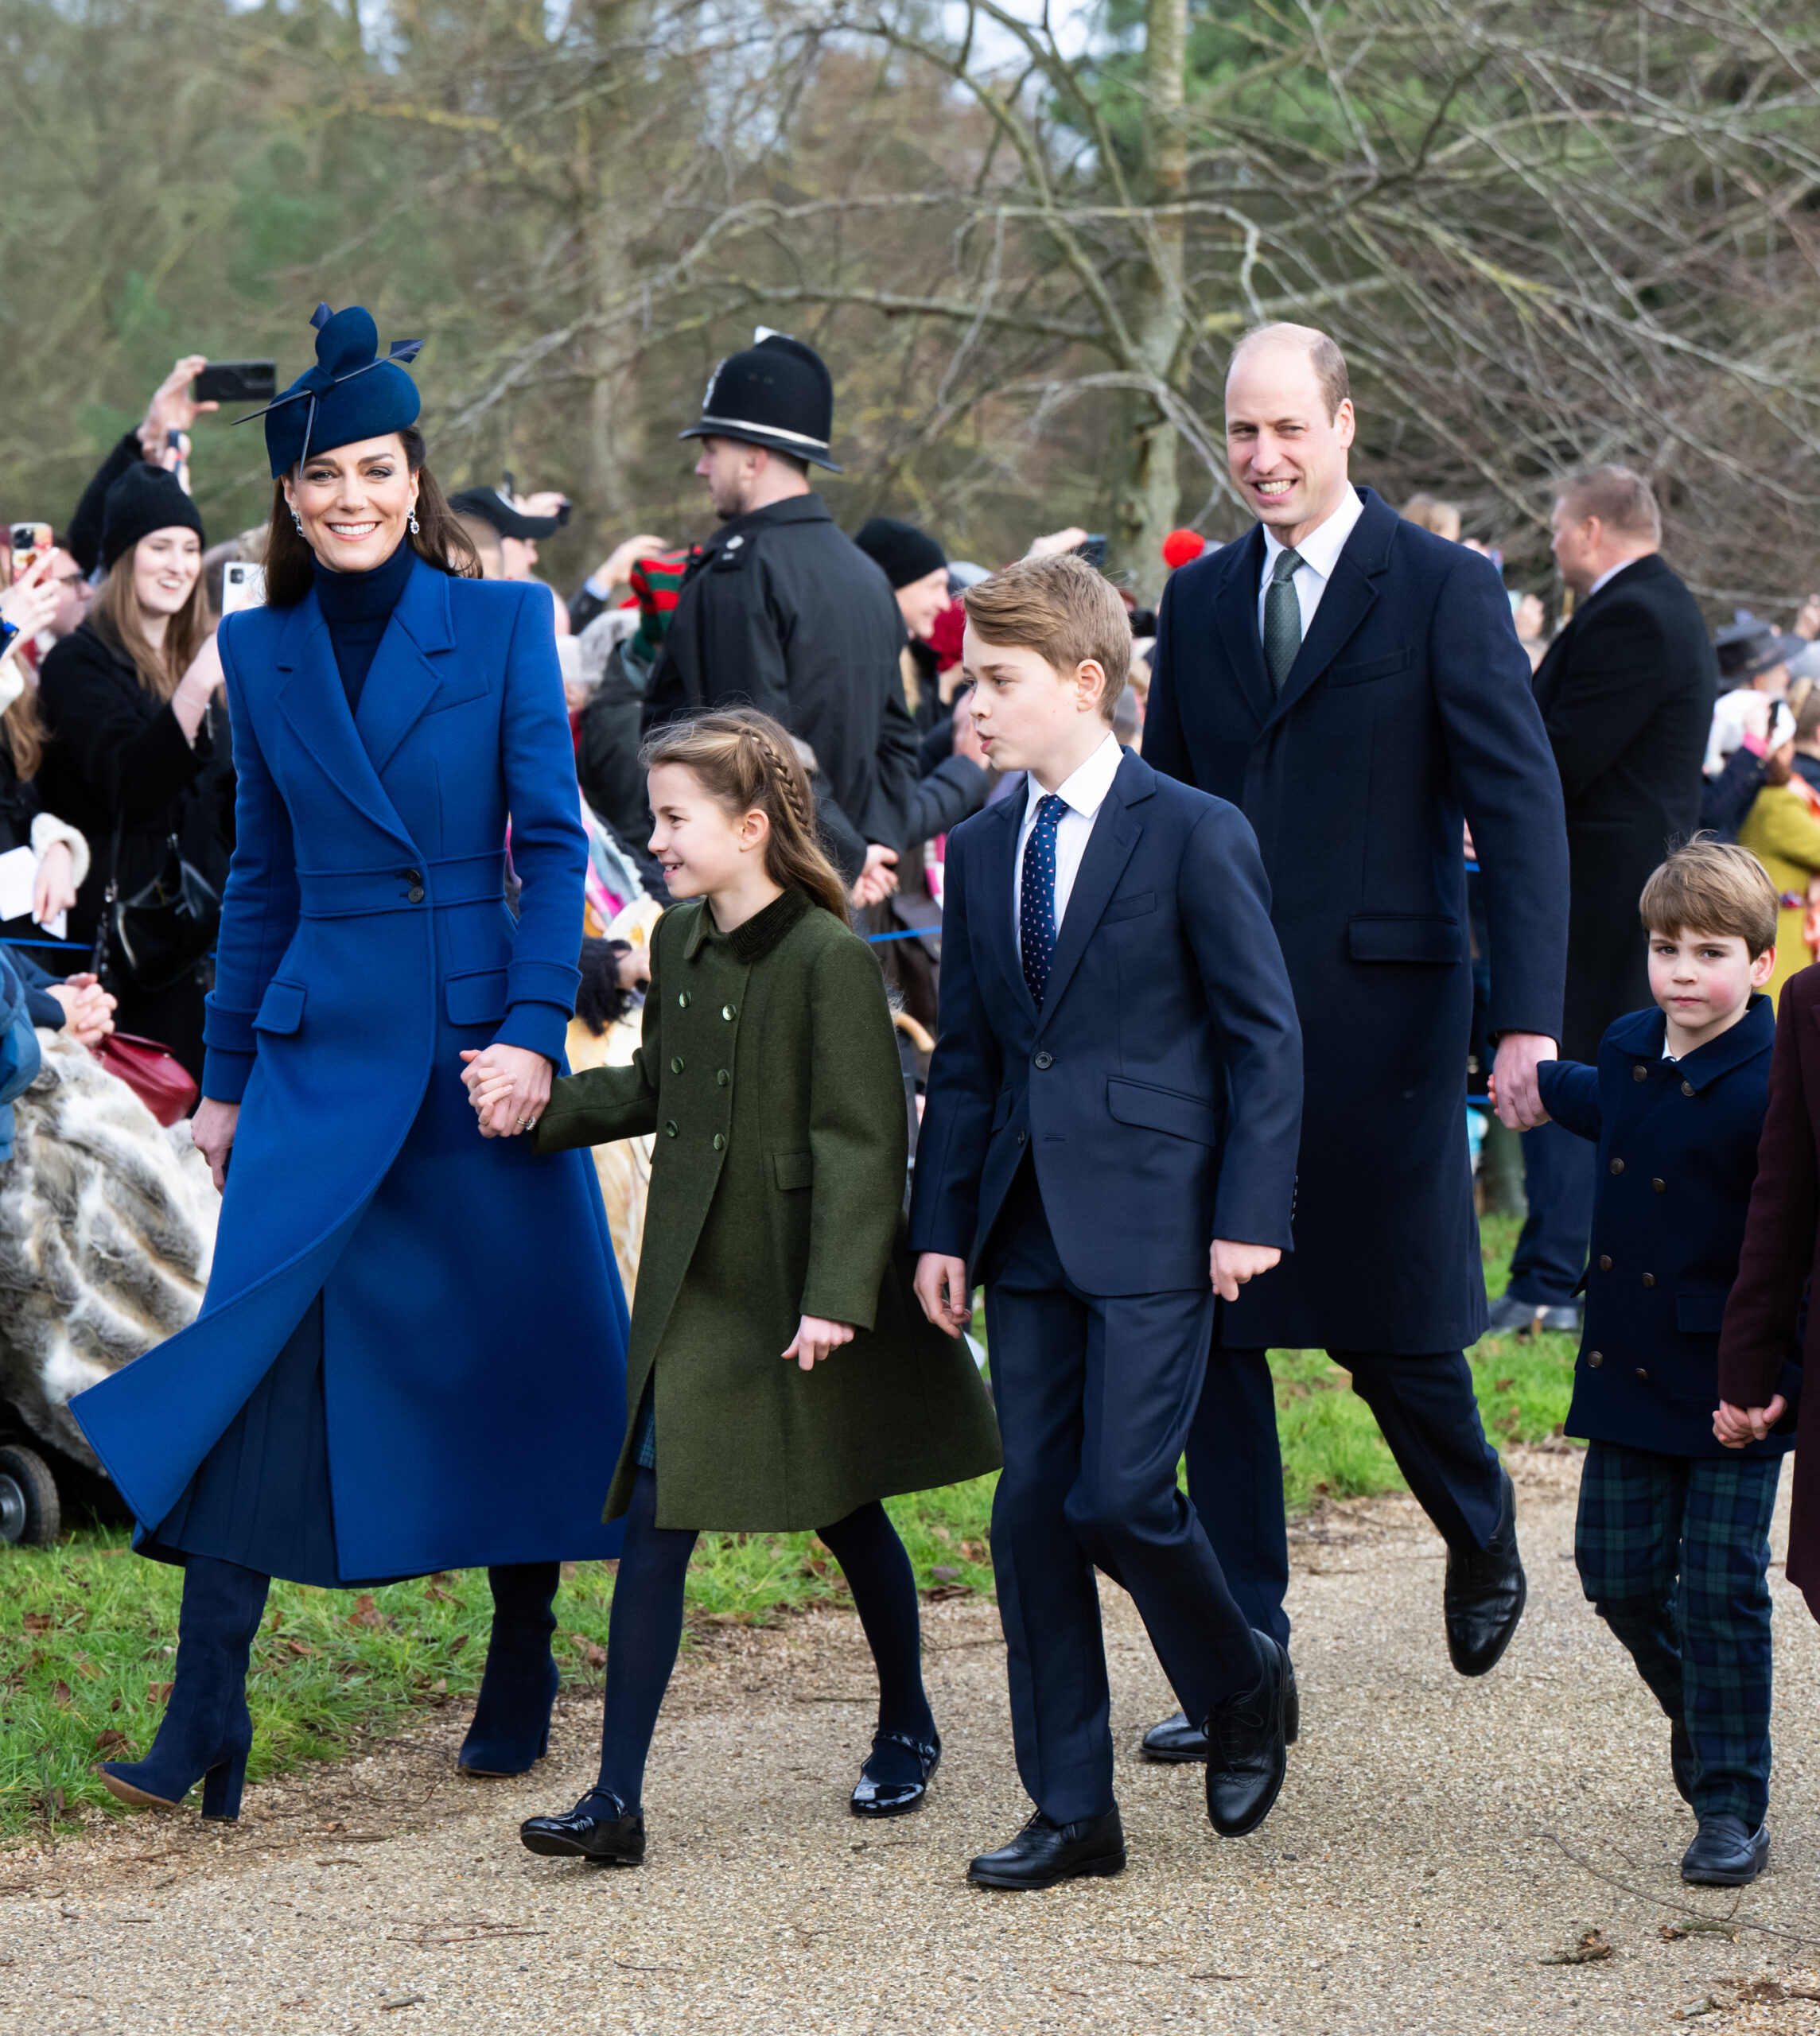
[
  {"x": 1043, "y": 1853},
  {"x": 1725, "y": 1853},
  {"x": 1683, "y": 1761},
  {"x": 1509, "y": 1315},
  {"x": 872, "y": 1798},
  {"x": 1247, "y": 1756},
  {"x": 1568, "y": 1319},
  {"x": 1176, "y": 1740},
  {"x": 1485, "y": 1592},
  {"x": 599, "y": 1828}
]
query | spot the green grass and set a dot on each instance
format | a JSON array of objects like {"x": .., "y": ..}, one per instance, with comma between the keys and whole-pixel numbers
[{"x": 87, "y": 1630}]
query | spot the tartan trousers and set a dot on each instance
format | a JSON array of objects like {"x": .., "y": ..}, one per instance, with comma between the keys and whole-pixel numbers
[{"x": 1673, "y": 1553}]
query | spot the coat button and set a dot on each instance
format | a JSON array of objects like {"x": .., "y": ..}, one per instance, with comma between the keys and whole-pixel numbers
[
  {"x": 1020, "y": 1138},
  {"x": 1604, "y": 1262},
  {"x": 1643, "y": 1376},
  {"x": 676, "y": 1065},
  {"x": 1640, "y": 1073},
  {"x": 1045, "y": 1060},
  {"x": 411, "y": 876},
  {"x": 1661, "y": 1186},
  {"x": 719, "y": 1141},
  {"x": 721, "y": 1079},
  {"x": 670, "y": 1128},
  {"x": 1649, "y": 1279},
  {"x": 415, "y": 894},
  {"x": 1617, "y": 1166},
  {"x": 683, "y": 1000},
  {"x": 729, "y": 1011},
  {"x": 1687, "y": 1088},
  {"x": 1595, "y": 1358}
]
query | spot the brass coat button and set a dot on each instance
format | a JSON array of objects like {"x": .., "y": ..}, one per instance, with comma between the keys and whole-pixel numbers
[
  {"x": 1649, "y": 1279},
  {"x": 1687, "y": 1088},
  {"x": 1661, "y": 1186},
  {"x": 1617, "y": 1166},
  {"x": 1640, "y": 1073},
  {"x": 1643, "y": 1376},
  {"x": 720, "y": 1142},
  {"x": 1595, "y": 1358},
  {"x": 722, "y": 1079},
  {"x": 676, "y": 1065},
  {"x": 1605, "y": 1261}
]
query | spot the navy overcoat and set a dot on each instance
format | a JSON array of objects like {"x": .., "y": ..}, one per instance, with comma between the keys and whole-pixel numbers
[
  {"x": 1678, "y": 1155},
  {"x": 1408, "y": 707},
  {"x": 474, "y": 1329}
]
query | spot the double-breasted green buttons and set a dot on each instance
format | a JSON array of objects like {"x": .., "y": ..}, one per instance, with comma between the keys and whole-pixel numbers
[
  {"x": 722, "y": 1079},
  {"x": 683, "y": 1000},
  {"x": 719, "y": 1141},
  {"x": 670, "y": 1128},
  {"x": 729, "y": 1011},
  {"x": 676, "y": 1064}
]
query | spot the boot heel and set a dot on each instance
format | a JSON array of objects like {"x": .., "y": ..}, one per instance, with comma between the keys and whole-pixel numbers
[{"x": 221, "y": 1787}]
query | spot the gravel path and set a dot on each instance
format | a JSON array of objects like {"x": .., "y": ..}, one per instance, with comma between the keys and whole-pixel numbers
[{"x": 1438, "y": 1842}]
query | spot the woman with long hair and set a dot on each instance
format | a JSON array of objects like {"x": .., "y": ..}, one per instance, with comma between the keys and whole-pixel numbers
[
  {"x": 136, "y": 756},
  {"x": 28, "y": 603},
  {"x": 413, "y": 1341}
]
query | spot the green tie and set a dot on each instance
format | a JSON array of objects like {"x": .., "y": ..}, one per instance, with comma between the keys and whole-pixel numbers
[{"x": 1282, "y": 618}]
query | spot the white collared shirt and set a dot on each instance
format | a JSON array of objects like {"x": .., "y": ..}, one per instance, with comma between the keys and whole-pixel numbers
[
  {"x": 1320, "y": 552},
  {"x": 1084, "y": 792},
  {"x": 1606, "y": 578}
]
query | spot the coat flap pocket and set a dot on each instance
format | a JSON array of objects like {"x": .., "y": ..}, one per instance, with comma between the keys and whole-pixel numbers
[
  {"x": 1366, "y": 669},
  {"x": 280, "y": 1009},
  {"x": 457, "y": 689},
  {"x": 1163, "y": 1109},
  {"x": 1404, "y": 940},
  {"x": 1700, "y": 1311},
  {"x": 1132, "y": 906},
  {"x": 794, "y": 1169},
  {"x": 1002, "y": 1113},
  {"x": 476, "y": 998}
]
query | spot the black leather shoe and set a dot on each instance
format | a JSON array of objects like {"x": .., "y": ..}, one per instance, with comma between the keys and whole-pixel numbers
[
  {"x": 1568, "y": 1319},
  {"x": 599, "y": 1828},
  {"x": 1683, "y": 1761},
  {"x": 872, "y": 1798},
  {"x": 1043, "y": 1853},
  {"x": 1247, "y": 1748},
  {"x": 1725, "y": 1853},
  {"x": 1176, "y": 1740},
  {"x": 1485, "y": 1592},
  {"x": 1510, "y": 1317}
]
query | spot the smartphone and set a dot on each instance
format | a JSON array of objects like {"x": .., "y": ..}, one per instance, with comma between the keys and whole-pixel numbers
[
  {"x": 242, "y": 586},
  {"x": 237, "y": 381},
  {"x": 29, "y": 541},
  {"x": 1093, "y": 550}
]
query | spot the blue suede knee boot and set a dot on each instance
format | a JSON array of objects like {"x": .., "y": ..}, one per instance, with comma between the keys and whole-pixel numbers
[
  {"x": 510, "y": 1729},
  {"x": 206, "y": 1731}
]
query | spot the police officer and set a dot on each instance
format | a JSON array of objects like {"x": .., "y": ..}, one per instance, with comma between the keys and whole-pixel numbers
[{"x": 782, "y": 611}]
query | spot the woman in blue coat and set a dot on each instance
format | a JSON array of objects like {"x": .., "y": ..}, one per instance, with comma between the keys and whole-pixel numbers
[{"x": 413, "y": 1346}]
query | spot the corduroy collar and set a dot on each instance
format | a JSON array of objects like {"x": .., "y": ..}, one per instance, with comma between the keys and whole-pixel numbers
[{"x": 753, "y": 938}]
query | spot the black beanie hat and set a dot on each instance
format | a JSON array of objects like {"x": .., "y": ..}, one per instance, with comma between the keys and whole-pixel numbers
[
  {"x": 143, "y": 499},
  {"x": 904, "y": 553}
]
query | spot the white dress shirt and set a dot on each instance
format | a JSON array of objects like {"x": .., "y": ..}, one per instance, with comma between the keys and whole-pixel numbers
[
  {"x": 1606, "y": 577},
  {"x": 1320, "y": 552},
  {"x": 1085, "y": 793}
]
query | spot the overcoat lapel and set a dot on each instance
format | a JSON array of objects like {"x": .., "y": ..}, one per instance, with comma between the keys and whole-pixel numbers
[
  {"x": 312, "y": 700},
  {"x": 999, "y": 859},
  {"x": 1109, "y": 847},
  {"x": 406, "y": 676},
  {"x": 1235, "y": 625}
]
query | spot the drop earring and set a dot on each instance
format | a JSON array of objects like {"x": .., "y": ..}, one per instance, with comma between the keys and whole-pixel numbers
[
  {"x": 413, "y": 526},
  {"x": 298, "y": 521}
]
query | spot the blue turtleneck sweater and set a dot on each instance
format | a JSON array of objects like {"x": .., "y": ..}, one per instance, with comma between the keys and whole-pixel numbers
[{"x": 357, "y": 606}]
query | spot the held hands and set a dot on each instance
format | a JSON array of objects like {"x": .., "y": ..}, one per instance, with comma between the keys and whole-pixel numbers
[
  {"x": 1517, "y": 1094},
  {"x": 509, "y": 1087},
  {"x": 1229, "y": 1265},
  {"x": 88, "y": 1008},
  {"x": 817, "y": 1337},
  {"x": 941, "y": 1286},
  {"x": 1736, "y": 1426},
  {"x": 1491, "y": 1097},
  {"x": 212, "y": 1129},
  {"x": 878, "y": 879}
]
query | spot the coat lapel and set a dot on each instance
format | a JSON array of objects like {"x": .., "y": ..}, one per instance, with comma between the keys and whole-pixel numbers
[
  {"x": 1349, "y": 597},
  {"x": 999, "y": 859},
  {"x": 312, "y": 700},
  {"x": 1235, "y": 624},
  {"x": 406, "y": 675},
  {"x": 1109, "y": 847}
]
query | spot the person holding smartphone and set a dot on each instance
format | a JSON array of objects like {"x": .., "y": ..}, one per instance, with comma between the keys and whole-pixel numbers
[{"x": 27, "y": 606}]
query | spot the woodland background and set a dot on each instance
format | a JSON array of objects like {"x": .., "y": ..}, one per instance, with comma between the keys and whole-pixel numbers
[{"x": 1546, "y": 232}]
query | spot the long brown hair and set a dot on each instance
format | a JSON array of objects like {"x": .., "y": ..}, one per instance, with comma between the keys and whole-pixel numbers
[
  {"x": 745, "y": 763},
  {"x": 25, "y": 733},
  {"x": 440, "y": 540},
  {"x": 114, "y": 612}
]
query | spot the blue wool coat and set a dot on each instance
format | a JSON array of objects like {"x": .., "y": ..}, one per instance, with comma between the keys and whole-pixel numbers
[
  {"x": 1678, "y": 1154},
  {"x": 474, "y": 1329},
  {"x": 1408, "y": 707}
]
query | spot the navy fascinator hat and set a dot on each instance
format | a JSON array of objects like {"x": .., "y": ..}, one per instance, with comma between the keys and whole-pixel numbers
[{"x": 350, "y": 394}]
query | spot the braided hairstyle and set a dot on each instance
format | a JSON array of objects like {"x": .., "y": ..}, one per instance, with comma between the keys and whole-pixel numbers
[{"x": 746, "y": 763}]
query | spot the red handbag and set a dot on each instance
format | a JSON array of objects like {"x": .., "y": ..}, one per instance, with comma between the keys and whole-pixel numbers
[{"x": 153, "y": 1072}]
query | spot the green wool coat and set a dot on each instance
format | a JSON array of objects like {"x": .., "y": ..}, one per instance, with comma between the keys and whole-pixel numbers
[{"x": 769, "y": 1072}]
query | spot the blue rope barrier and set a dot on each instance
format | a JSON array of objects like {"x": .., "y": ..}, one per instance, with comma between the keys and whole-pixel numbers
[
  {"x": 914, "y": 933},
  {"x": 66, "y": 946}
]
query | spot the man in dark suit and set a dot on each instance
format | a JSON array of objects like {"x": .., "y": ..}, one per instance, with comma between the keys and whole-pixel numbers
[
  {"x": 1108, "y": 1142},
  {"x": 1626, "y": 694},
  {"x": 1354, "y": 684}
]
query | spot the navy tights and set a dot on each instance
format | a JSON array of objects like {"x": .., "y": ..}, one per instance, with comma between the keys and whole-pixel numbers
[{"x": 646, "y": 1630}]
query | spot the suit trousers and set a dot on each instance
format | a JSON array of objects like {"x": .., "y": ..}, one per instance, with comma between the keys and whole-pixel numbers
[
  {"x": 1560, "y": 1172},
  {"x": 1428, "y": 1413},
  {"x": 1094, "y": 1395}
]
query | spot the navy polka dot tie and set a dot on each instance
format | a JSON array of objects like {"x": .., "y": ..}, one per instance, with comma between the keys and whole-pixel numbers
[{"x": 1036, "y": 897}]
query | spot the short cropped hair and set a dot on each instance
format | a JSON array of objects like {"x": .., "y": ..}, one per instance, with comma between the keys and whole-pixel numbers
[
  {"x": 1062, "y": 609},
  {"x": 1710, "y": 885},
  {"x": 1621, "y": 498},
  {"x": 1323, "y": 351},
  {"x": 1429, "y": 512}
]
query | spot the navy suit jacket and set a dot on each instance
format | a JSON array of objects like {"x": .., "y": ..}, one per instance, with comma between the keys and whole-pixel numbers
[
  {"x": 1407, "y": 708},
  {"x": 1159, "y": 1088},
  {"x": 1677, "y": 1156}
]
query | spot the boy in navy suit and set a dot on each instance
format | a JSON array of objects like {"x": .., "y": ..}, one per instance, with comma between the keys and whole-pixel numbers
[
  {"x": 1673, "y": 1539},
  {"x": 1109, "y": 1142}
]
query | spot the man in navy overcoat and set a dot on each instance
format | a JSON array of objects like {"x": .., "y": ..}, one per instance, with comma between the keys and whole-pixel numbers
[{"x": 1354, "y": 684}]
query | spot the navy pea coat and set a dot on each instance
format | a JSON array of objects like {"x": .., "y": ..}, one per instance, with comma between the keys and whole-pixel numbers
[
  {"x": 474, "y": 1328},
  {"x": 1678, "y": 1155},
  {"x": 1159, "y": 1089},
  {"x": 1408, "y": 708}
]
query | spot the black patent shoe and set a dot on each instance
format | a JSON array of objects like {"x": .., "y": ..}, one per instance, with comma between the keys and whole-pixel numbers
[
  {"x": 599, "y": 1828},
  {"x": 1683, "y": 1761},
  {"x": 872, "y": 1798},
  {"x": 1485, "y": 1592},
  {"x": 1725, "y": 1853},
  {"x": 1176, "y": 1740},
  {"x": 1247, "y": 1746},
  {"x": 1044, "y": 1854}
]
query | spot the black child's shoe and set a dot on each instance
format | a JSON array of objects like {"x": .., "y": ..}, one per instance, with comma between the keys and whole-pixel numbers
[
  {"x": 876, "y": 1798},
  {"x": 599, "y": 1828},
  {"x": 1043, "y": 1854},
  {"x": 1725, "y": 1853}
]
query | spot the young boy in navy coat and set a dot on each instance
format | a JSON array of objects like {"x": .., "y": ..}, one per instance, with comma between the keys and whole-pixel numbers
[
  {"x": 1109, "y": 1142},
  {"x": 1673, "y": 1539}
]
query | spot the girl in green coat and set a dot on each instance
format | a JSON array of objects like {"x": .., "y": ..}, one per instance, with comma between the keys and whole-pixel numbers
[{"x": 782, "y": 1377}]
